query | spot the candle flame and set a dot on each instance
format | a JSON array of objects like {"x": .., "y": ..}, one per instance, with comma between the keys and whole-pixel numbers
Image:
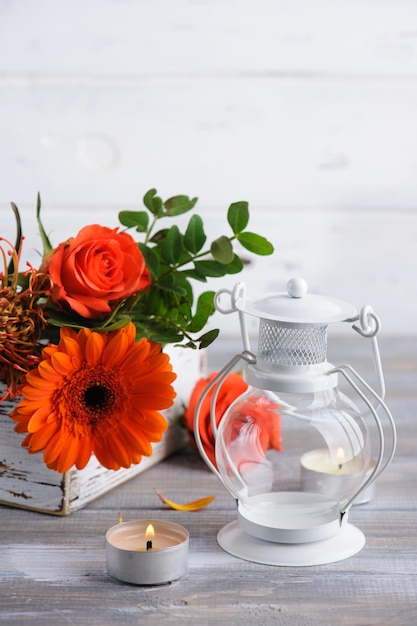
[
  {"x": 340, "y": 455},
  {"x": 150, "y": 532}
]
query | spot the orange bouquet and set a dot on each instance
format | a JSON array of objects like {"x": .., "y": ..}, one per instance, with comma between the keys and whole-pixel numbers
[{"x": 81, "y": 336}]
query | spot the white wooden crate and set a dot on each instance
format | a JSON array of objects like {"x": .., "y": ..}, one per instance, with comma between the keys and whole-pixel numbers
[{"x": 26, "y": 482}]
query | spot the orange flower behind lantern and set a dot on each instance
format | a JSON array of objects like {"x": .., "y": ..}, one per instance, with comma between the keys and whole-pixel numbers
[{"x": 259, "y": 413}]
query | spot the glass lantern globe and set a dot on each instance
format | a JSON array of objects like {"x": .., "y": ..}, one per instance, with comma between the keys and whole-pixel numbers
[
  {"x": 294, "y": 450},
  {"x": 292, "y": 461}
]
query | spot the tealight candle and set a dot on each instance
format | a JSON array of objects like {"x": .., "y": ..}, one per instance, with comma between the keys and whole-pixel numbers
[
  {"x": 150, "y": 552},
  {"x": 320, "y": 473}
]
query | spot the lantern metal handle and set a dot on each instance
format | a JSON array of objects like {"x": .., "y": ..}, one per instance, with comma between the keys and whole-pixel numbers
[
  {"x": 237, "y": 293},
  {"x": 216, "y": 383},
  {"x": 380, "y": 466},
  {"x": 369, "y": 327}
]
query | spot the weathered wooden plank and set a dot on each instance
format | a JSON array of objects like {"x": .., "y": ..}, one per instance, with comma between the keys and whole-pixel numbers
[
  {"x": 66, "y": 579},
  {"x": 360, "y": 38},
  {"x": 283, "y": 143}
]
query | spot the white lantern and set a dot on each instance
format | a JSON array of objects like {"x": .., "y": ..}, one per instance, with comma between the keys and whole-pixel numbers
[{"x": 294, "y": 450}]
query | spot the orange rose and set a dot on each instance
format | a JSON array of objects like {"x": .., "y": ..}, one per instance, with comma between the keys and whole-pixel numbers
[
  {"x": 96, "y": 269},
  {"x": 232, "y": 387}
]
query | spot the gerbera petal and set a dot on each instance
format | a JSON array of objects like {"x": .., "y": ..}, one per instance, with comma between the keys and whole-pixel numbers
[
  {"x": 152, "y": 425},
  {"x": 34, "y": 379},
  {"x": 40, "y": 438},
  {"x": 21, "y": 427},
  {"x": 49, "y": 350},
  {"x": 32, "y": 393},
  {"x": 137, "y": 357},
  {"x": 47, "y": 372},
  {"x": 68, "y": 455},
  {"x": 62, "y": 363},
  {"x": 84, "y": 453},
  {"x": 82, "y": 337},
  {"x": 156, "y": 398},
  {"x": 39, "y": 418},
  {"x": 105, "y": 454},
  {"x": 134, "y": 439},
  {"x": 94, "y": 348},
  {"x": 70, "y": 345},
  {"x": 115, "y": 349},
  {"x": 67, "y": 331},
  {"x": 26, "y": 407},
  {"x": 119, "y": 451},
  {"x": 53, "y": 448}
]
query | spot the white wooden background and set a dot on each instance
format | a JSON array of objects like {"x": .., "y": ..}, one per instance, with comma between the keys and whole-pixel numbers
[{"x": 307, "y": 109}]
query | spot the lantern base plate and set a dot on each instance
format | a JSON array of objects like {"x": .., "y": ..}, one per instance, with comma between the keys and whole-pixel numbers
[{"x": 347, "y": 542}]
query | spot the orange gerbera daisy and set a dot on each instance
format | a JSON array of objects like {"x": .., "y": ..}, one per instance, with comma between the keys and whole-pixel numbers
[{"x": 96, "y": 393}]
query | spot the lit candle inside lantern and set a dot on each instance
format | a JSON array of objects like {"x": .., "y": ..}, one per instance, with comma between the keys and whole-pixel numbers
[
  {"x": 333, "y": 475},
  {"x": 340, "y": 456},
  {"x": 147, "y": 553},
  {"x": 321, "y": 461}
]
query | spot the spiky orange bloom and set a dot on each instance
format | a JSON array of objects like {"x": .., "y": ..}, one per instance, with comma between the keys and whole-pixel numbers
[
  {"x": 96, "y": 393},
  {"x": 21, "y": 318}
]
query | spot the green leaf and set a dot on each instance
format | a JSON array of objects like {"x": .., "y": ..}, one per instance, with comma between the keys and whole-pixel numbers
[
  {"x": 238, "y": 216},
  {"x": 178, "y": 205},
  {"x": 195, "y": 237},
  {"x": 47, "y": 246},
  {"x": 59, "y": 319},
  {"x": 158, "y": 330},
  {"x": 190, "y": 344},
  {"x": 235, "y": 266},
  {"x": 151, "y": 259},
  {"x": 168, "y": 283},
  {"x": 171, "y": 246},
  {"x": 159, "y": 235},
  {"x": 153, "y": 202},
  {"x": 165, "y": 335},
  {"x": 222, "y": 250},
  {"x": 208, "y": 338},
  {"x": 213, "y": 269},
  {"x": 135, "y": 219},
  {"x": 194, "y": 274},
  {"x": 18, "y": 241},
  {"x": 255, "y": 243},
  {"x": 205, "y": 308}
]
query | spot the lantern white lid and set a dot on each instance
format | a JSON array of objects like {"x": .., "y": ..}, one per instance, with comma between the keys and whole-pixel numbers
[{"x": 297, "y": 306}]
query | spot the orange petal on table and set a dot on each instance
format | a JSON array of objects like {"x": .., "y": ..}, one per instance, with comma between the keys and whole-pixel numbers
[{"x": 195, "y": 505}]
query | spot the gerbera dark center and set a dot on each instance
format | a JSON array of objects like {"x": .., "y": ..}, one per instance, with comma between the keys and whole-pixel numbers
[
  {"x": 91, "y": 398},
  {"x": 97, "y": 396}
]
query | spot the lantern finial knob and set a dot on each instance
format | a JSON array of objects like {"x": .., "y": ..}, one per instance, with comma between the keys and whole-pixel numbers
[{"x": 297, "y": 287}]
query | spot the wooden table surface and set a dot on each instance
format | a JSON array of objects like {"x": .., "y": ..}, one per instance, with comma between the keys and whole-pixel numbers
[{"x": 53, "y": 570}]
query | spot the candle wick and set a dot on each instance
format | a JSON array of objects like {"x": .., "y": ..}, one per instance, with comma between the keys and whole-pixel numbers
[{"x": 148, "y": 545}]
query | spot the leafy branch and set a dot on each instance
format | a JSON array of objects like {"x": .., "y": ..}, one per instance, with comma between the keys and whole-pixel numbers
[{"x": 174, "y": 258}]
